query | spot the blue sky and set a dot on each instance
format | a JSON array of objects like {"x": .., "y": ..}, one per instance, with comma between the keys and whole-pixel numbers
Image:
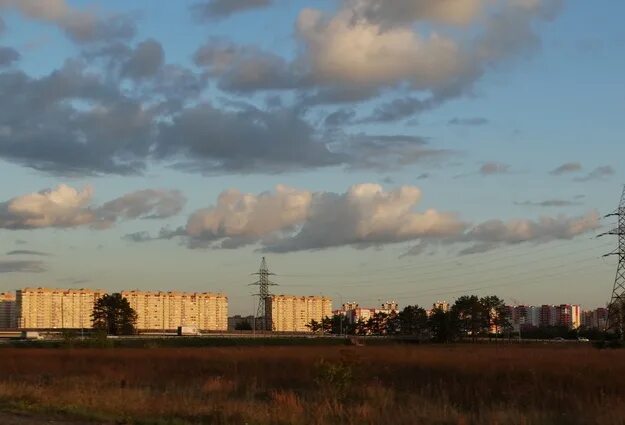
[{"x": 159, "y": 107}]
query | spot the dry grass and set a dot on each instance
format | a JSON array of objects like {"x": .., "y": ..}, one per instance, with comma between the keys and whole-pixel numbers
[{"x": 463, "y": 384}]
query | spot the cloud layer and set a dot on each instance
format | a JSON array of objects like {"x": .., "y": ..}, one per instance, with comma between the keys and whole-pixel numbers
[
  {"x": 290, "y": 219},
  {"x": 22, "y": 266},
  {"x": 118, "y": 105}
]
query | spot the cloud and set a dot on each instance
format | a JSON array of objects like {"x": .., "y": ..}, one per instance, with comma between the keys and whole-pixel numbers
[
  {"x": 28, "y": 252},
  {"x": 88, "y": 125},
  {"x": 118, "y": 108},
  {"x": 243, "y": 141},
  {"x": 478, "y": 248},
  {"x": 8, "y": 55},
  {"x": 339, "y": 118},
  {"x": 246, "y": 68},
  {"x": 569, "y": 167},
  {"x": 549, "y": 203},
  {"x": 245, "y": 218},
  {"x": 398, "y": 109},
  {"x": 66, "y": 207},
  {"x": 337, "y": 45},
  {"x": 468, "y": 121},
  {"x": 147, "y": 58},
  {"x": 219, "y": 9},
  {"x": 81, "y": 26},
  {"x": 73, "y": 281},
  {"x": 138, "y": 237},
  {"x": 380, "y": 39},
  {"x": 292, "y": 220},
  {"x": 545, "y": 229},
  {"x": 22, "y": 266},
  {"x": 289, "y": 219},
  {"x": 144, "y": 204},
  {"x": 62, "y": 207},
  {"x": 389, "y": 152},
  {"x": 492, "y": 168},
  {"x": 110, "y": 133},
  {"x": 405, "y": 12},
  {"x": 598, "y": 173},
  {"x": 492, "y": 234}
]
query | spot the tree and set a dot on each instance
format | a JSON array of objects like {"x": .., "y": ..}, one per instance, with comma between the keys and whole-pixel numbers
[
  {"x": 413, "y": 321},
  {"x": 314, "y": 326},
  {"x": 470, "y": 314},
  {"x": 393, "y": 324},
  {"x": 443, "y": 325},
  {"x": 113, "y": 314},
  {"x": 335, "y": 325},
  {"x": 494, "y": 314},
  {"x": 361, "y": 327},
  {"x": 377, "y": 324}
]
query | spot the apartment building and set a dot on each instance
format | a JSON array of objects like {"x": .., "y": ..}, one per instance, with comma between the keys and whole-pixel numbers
[
  {"x": 288, "y": 313},
  {"x": 8, "y": 311},
  {"x": 595, "y": 319},
  {"x": 51, "y": 308},
  {"x": 564, "y": 315},
  {"x": 354, "y": 313},
  {"x": 167, "y": 310}
]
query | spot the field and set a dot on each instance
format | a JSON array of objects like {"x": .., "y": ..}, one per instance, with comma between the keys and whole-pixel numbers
[{"x": 397, "y": 384}]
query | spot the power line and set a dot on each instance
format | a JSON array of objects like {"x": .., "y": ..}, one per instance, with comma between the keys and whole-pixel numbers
[
  {"x": 446, "y": 275},
  {"x": 432, "y": 264}
]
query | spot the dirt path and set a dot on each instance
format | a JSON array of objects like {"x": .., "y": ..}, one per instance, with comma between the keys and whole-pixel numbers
[{"x": 11, "y": 418}]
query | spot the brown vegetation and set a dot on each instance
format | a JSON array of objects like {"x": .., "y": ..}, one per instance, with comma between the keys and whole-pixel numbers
[{"x": 462, "y": 384}]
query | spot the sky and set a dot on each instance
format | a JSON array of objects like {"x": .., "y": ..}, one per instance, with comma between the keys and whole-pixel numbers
[{"x": 413, "y": 150}]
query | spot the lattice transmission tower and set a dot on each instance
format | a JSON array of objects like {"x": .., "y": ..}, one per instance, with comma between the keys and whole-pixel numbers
[
  {"x": 616, "y": 307},
  {"x": 263, "y": 283}
]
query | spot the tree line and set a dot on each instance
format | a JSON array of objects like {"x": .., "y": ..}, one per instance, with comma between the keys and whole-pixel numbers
[{"x": 469, "y": 317}]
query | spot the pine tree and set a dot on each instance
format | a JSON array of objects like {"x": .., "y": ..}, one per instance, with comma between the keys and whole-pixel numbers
[{"x": 113, "y": 314}]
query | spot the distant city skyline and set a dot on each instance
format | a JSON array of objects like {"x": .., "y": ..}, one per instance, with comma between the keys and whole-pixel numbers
[{"x": 371, "y": 150}]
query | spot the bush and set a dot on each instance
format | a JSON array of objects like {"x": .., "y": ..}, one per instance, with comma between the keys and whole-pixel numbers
[{"x": 335, "y": 378}]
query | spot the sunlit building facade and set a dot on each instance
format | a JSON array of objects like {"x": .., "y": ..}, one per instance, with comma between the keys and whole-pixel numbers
[
  {"x": 8, "y": 311},
  {"x": 52, "y": 308},
  {"x": 159, "y": 311},
  {"x": 288, "y": 313}
]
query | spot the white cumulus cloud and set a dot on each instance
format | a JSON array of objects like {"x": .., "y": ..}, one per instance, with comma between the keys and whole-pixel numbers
[
  {"x": 244, "y": 217},
  {"x": 67, "y": 207}
]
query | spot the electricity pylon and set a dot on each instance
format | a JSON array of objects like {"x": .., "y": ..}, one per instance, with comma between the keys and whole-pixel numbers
[
  {"x": 617, "y": 301},
  {"x": 263, "y": 284}
]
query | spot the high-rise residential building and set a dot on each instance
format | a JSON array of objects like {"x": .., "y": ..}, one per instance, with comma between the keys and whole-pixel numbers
[
  {"x": 48, "y": 308},
  {"x": 565, "y": 315},
  {"x": 168, "y": 310},
  {"x": 576, "y": 316},
  {"x": 441, "y": 305},
  {"x": 288, "y": 313},
  {"x": 547, "y": 316},
  {"x": 594, "y": 319},
  {"x": 354, "y": 313},
  {"x": 8, "y": 311}
]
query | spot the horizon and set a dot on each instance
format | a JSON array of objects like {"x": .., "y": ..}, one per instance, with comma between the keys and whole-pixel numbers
[{"x": 370, "y": 152}]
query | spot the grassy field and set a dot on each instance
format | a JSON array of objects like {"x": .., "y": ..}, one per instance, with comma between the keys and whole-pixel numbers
[{"x": 404, "y": 384}]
